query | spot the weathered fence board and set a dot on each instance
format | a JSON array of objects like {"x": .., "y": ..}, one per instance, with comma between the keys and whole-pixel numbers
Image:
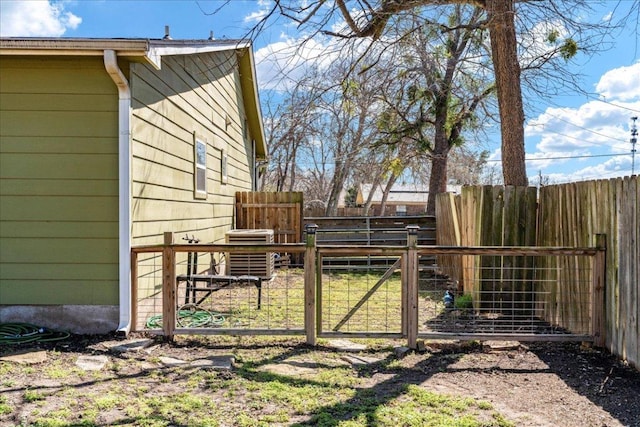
[
  {"x": 448, "y": 233},
  {"x": 567, "y": 215},
  {"x": 277, "y": 211},
  {"x": 586, "y": 209},
  {"x": 628, "y": 264},
  {"x": 497, "y": 216}
]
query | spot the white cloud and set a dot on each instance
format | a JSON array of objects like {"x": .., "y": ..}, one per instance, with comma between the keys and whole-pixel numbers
[
  {"x": 613, "y": 167},
  {"x": 595, "y": 128},
  {"x": 264, "y": 7},
  {"x": 282, "y": 63},
  {"x": 33, "y": 18},
  {"x": 590, "y": 141},
  {"x": 578, "y": 131},
  {"x": 620, "y": 83}
]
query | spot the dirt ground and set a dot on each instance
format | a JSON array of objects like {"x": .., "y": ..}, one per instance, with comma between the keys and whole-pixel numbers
[
  {"x": 544, "y": 384},
  {"x": 531, "y": 384}
]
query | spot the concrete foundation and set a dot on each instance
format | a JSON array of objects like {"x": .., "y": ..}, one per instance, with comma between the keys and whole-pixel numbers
[{"x": 77, "y": 319}]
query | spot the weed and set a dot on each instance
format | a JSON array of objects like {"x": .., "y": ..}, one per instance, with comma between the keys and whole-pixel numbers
[
  {"x": 5, "y": 408},
  {"x": 108, "y": 401},
  {"x": 464, "y": 302},
  {"x": 54, "y": 419},
  {"x": 7, "y": 369},
  {"x": 483, "y": 404},
  {"x": 56, "y": 372},
  {"x": 33, "y": 396},
  {"x": 501, "y": 420}
]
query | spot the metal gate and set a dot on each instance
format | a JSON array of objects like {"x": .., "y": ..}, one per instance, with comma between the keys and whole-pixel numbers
[{"x": 524, "y": 294}]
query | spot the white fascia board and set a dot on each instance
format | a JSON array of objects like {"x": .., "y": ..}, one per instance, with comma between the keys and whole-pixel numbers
[
  {"x": 149, "y": 50},
  {"x": 158, "y": 49},
  {"x": 258, "y": 109}
]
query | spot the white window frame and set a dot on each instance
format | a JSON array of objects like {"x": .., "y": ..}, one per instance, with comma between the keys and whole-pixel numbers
[{"x": 199, "y": 169}]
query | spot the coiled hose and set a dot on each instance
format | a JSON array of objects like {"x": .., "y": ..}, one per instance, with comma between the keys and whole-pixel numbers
[
  {"x": 16, "y": 333},
  {"x": 189, "y": 316}
]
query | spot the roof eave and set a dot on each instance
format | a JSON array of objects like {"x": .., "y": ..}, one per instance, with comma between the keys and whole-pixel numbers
[
  {"x": 151, "y": 51},
  {"x": 250, "y": 95},
  {"x": 137, "y": 50}
]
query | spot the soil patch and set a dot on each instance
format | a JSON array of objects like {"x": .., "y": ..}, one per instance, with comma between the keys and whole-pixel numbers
[{"x": 538, "y": 384}]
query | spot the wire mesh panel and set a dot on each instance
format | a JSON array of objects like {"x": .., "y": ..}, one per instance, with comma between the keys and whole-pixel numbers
[
  {"x": 245, "y": 302},
  {"x": 360, "y": 294},
  {"x": 148, "y": 291},
  {"x": 523, "y": 296},
  {"x": 524, "y": 293},
  {"x": 209, "y": 300}
]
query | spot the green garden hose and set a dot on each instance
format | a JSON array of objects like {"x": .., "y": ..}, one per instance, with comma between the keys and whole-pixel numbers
[
  {"x": 16, "y": 333},
  {"x": 189, "y": 316}
]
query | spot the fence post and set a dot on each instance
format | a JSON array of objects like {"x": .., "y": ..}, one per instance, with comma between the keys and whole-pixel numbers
[
  {"x": 598, "y": 290},
  {"x": 168, "y": 287},
  {"x": 310, "y": 272},
  {"x": 411, "y": 281}
]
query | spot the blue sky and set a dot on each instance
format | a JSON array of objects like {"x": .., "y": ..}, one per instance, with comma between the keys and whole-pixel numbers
[{"x": 569, "y": 138}]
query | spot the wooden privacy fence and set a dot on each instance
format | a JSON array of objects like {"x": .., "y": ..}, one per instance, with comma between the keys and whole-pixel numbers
[
  {"x": 571, "y": 214},
  {"x": 371, "y": 230},
  {"x": 281, "y": 212},
  {"x": 399, "y": 299},
  {"x": 486, "y": 216},
  {"x": 566, "y": 215}
]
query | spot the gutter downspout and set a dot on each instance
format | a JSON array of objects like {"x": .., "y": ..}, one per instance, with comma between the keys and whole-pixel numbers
[{"x": 124, "y": 188}]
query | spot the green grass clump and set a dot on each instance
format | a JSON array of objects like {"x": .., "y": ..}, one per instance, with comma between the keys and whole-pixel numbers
[
  {"x": 33, "y": 396},
  {"x": 464, "y": 302},
  {"x": 5, "y": 408}
]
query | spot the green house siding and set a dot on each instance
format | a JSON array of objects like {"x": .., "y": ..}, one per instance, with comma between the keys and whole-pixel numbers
[
  {"x": 192, "y": 94},
  {"x": 58, "y": 182}
]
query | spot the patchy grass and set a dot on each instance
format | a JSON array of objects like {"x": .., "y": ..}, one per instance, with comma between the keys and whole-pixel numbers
[
  {"x": 283, "y": 303},
  {"x": 414, "y": 406},
  {"x": 315, "y": 387}
]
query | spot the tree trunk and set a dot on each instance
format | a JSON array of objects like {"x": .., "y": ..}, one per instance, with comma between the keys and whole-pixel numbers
[
  {"x": 507, "y": 73},
  {"x": 439, "y": 159},
  {"x": 385, "y": 194},
  {"x": 367, "y": 204},
  {"x": 337, "y": 183},
  {"x": 437, "y": 182},
  {"x": 292, "y": 181}
]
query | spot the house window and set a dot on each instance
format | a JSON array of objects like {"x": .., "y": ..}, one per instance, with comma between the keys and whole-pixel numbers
[
  {"x": 200, "y": 170},
  {"x": 401, "y": 210}
]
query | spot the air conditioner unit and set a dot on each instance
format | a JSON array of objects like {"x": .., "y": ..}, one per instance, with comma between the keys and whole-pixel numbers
[{"x": 260, "y": 264}]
